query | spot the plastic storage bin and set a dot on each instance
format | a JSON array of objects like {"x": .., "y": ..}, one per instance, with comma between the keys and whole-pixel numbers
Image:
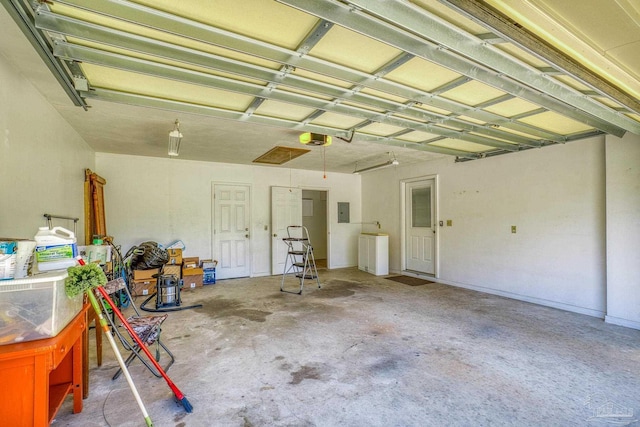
[{"x": 35, "y": 307}]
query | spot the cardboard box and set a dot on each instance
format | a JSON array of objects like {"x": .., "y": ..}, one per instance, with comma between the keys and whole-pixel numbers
[
  {"x": 140, "y": 288},
  {"x": 190, "y": 262},
  {"x": 190, "y": 267},
  {"x": 145, "y": 274},
  {"x": 209, "y": 277},
  {"x": 192, "y": 271},
  {"x": 172, "y": 269},
  {"x": 208, "y": 263},
  {"x": 175, "y": 256},
  {"x": 191, "y": 282}
]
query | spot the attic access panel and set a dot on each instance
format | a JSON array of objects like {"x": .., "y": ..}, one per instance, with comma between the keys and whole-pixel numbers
[{"x": 279, "y": 155}]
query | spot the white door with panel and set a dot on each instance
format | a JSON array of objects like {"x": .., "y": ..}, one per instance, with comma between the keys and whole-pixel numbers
[
  {"x": 231, "y": 230},
  {"x": 420, "y": 227},
  {"x": 286, "y": 210}
]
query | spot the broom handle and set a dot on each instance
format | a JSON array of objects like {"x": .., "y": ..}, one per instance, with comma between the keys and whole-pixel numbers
[
  {"x": 137, "y": 339},
  {"x": 123, "y": 366}
]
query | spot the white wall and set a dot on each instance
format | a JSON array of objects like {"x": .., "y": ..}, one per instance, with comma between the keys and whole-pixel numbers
[
  {"x": 556, "y": 198},
  {"x": 168, "y": 199},
  {"x": 623, "y": 230},
  {"x": 42, "y": 160}
]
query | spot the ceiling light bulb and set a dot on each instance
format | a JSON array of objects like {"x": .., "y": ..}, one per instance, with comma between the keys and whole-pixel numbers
[{"x": 394, "y": 161}]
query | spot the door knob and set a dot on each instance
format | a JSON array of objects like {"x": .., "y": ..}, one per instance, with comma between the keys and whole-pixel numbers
[
  {"x": 275, "y": 235},
  {"x": 246, "y": 235}
]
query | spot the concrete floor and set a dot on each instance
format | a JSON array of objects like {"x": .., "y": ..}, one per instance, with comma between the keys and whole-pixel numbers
[{"x": 367, "y": 351}]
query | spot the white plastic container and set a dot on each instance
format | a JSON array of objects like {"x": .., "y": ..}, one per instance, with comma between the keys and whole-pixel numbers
[{"x": 56, "y": 248}]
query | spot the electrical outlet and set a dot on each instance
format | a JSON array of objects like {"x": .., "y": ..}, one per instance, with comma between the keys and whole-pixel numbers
[
  {"x": 449, "y": 222},
  {"x": 513, "y": 229}
]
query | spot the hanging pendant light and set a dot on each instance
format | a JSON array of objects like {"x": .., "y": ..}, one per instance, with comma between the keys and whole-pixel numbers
[{"x": 174, "y": 140}]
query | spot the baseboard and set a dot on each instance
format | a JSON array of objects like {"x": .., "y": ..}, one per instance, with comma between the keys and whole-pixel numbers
[
  {"x": 336, "y": 266},
  {"x": 622, "y": 322},
  {"x": 262, "y": 274},
  {"x": 413, "y": 274},
  {"x": 533, "y": 300}
]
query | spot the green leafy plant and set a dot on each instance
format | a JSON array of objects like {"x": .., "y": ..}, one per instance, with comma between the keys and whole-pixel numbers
[{"x": 82, "y": 278}]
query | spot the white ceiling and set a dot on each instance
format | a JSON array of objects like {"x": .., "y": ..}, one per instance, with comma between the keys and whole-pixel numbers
[{"x": 376, "y": 68}]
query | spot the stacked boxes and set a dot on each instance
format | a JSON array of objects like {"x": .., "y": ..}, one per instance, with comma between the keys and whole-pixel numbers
[
  {"x": 192, "y": 274},
  {"x": 143, "y": 282},
  {"x": 189, "y": 269}
]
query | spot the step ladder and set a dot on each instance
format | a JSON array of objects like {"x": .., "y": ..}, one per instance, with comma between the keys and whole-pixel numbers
[{"x": 300, "y": 261}]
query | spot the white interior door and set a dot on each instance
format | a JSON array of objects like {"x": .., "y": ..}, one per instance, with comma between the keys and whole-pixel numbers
[
  {"x": 420, "y": 227},
  {"x": 286, "y": 210},
  {"x": 231, "y": 218}
]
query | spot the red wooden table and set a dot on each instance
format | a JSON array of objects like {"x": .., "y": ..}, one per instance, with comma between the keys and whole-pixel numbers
[{"x": 37, "y": 376}]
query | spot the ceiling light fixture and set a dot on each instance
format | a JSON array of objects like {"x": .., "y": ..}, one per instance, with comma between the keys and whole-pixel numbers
[
  {"x": 309, "y": 138},
  {"x": 391, "y": 162},
  {"x": 174, "y": 140}
]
